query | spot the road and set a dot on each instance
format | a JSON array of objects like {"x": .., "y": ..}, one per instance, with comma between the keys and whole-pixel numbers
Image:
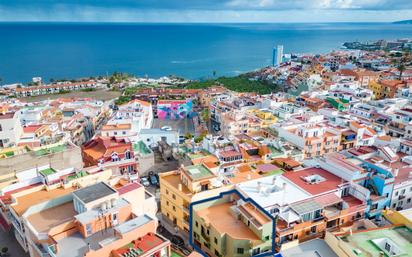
[{"x": 8, "y": 240}]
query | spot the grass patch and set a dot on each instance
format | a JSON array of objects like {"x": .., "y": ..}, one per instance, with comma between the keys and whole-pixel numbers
[
  {"x": 175, "y": 254},
  {"x": 275, "y": 172}
]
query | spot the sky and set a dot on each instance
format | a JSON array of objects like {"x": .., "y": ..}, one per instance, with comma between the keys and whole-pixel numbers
[{"x": 206, "y": 10}]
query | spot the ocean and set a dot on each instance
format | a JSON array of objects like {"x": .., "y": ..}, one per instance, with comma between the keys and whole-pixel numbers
[{"x": 73, "y": 50}]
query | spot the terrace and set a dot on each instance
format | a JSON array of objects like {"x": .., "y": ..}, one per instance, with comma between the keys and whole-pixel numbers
[
  {"x": 368, "y": 243},
  {"x": 198, "y": 172}
]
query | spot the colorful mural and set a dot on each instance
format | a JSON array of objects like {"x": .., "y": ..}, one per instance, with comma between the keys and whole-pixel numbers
[{"x": 175, "y": 109}]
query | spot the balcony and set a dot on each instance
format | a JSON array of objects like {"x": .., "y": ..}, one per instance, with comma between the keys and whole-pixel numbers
[{"x": 206, "y": 237}]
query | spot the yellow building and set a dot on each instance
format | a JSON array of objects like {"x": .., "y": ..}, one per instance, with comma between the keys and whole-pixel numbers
[
  {"x": 229, "y": 227},
  {"x": 377, "y": 89},
  {"x": 265, "y": 118},
  {"x": 188, "y": 184}
]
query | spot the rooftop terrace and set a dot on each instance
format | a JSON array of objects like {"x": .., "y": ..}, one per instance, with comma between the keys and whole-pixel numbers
[
  {"x": 47, "y": 219},
  {"x": 198, "y": 172},
  {"x": 26, "y": 201},
  {"x": 221, "y": 218},
  {"x": 362, "y": 241}
]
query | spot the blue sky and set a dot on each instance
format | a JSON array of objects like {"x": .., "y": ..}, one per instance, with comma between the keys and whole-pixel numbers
[{"x": 206, "y": 10}]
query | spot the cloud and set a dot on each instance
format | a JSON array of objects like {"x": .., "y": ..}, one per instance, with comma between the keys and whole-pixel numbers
[
  {"x": 205, "y": 10},
  {"x": 320, "y": 4}
]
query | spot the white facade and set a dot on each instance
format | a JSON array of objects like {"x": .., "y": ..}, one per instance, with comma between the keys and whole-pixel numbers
[
  {"x": 10, "y": 129},
  {"x": 402, "y": 194},
  {"x": 151, "y": 136}
]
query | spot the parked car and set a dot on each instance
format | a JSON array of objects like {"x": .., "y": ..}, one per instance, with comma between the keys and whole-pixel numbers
[
  {"x": 154, "y": 179},
  {"x": 144, "y": 181}
]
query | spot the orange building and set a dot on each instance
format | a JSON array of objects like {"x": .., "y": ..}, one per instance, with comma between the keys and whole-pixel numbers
[{"x": 116, "y": 153}]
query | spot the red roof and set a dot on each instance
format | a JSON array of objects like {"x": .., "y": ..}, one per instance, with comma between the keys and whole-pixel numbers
[
  {"x": 331, "y": 181},
  {"x": 31, "y": 128},
  {"x": 146, "y": 243},
  {"x": 128, "y": 188}
]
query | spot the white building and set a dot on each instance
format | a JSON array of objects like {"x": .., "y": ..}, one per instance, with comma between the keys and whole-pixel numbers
[
  {"x": 10, "y": 129},
  {"x": 402, "y": 191},
  {"x": 140, "y": 113},
  {"x": 152, "y": 136}
]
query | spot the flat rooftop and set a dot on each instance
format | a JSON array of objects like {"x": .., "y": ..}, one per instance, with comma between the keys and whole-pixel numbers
[
  {"x": 220, "y": 217},
  {"x": 26, "y": 201},
  {"x": 198, "y": 172},
  {"x": 327, "y": 181},
  {"x": 311, "y": 248},
  {"x": 94, "y": 192},
  {"x": 47, "y": 219},
  {"x": 141, "y": 246},
  {"x": 174, "y": 180},
  {"x": 401, "y": 236},
  {"x": 272, "y": 190}
]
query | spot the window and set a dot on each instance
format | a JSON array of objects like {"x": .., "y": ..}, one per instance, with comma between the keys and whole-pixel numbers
[
  {"x": 256, "y": 251},
  {"x": 1, "y": 128},
  {"x": 124, "y": 132},
  {"x": 313, "y": 229},
  {"x": 240, "y": 250},
  {"x": 88, "y": 229},
  {"x": 197, "y": 224},
  {"x": 167, "y": 191},
  {"x": 216, "y": 253},
  {"x": 215, "y": 240},
  {"x": 115, "y": 133},
  {"x": 167, "y": 203},
  {"x": 174, "y": 208},
  {"x": 174, "y": 196}
]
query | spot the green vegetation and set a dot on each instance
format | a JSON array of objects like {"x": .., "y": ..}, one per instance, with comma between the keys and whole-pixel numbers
[
  {"x": 88, "y": 89},
  {"x": 274, "y": 172},
  {"x": 47, "y": 171},
  {"x": 118, "y": 77},
  {"x": 174, "y": 254},
  {"x": 199, "y": 138},
  {"x": 77, "y": 175},
  {"x": 9, "y": 154},
  {"x": 122, "y": 99},
  {"x": 240, "y": 83}
]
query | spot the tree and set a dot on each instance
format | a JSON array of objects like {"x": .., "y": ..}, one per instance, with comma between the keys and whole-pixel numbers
[{"x": 401, "y": 60}]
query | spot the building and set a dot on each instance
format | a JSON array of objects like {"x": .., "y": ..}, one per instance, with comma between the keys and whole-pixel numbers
[
  {"x": 277, "y": 55},
  {"x": 151, "y": 137},
  {"x": 38, "y": 188},
  {"x": 314, "y": 247},
  {"x": 116, "y": 153},
  {"x": 10, "y": 129},
  {"x": 382, "y": 241},
  {"x": 231, "y": 226},
  {"x": 306, "y": 203},
  {"x": 188, "y": 184},
  {"x": 311, "y": 135},
  {"x": 97, "y": 220}
]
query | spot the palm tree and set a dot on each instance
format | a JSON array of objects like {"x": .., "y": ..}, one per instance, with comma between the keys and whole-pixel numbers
[{"x": 402, "y": 61}]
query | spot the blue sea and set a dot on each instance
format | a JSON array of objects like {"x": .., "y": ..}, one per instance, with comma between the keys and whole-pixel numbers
[{"x": 72, "y": 50}]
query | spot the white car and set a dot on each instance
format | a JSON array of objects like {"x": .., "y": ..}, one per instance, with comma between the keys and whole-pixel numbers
[
  {"x": 144, "y": 181},
  {"x": 167, "y": 128}
]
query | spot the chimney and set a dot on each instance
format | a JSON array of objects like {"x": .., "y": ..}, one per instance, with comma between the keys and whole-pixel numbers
[
  {"x": 180, "y": 187},
  {"x": 274, "y": 180}
]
